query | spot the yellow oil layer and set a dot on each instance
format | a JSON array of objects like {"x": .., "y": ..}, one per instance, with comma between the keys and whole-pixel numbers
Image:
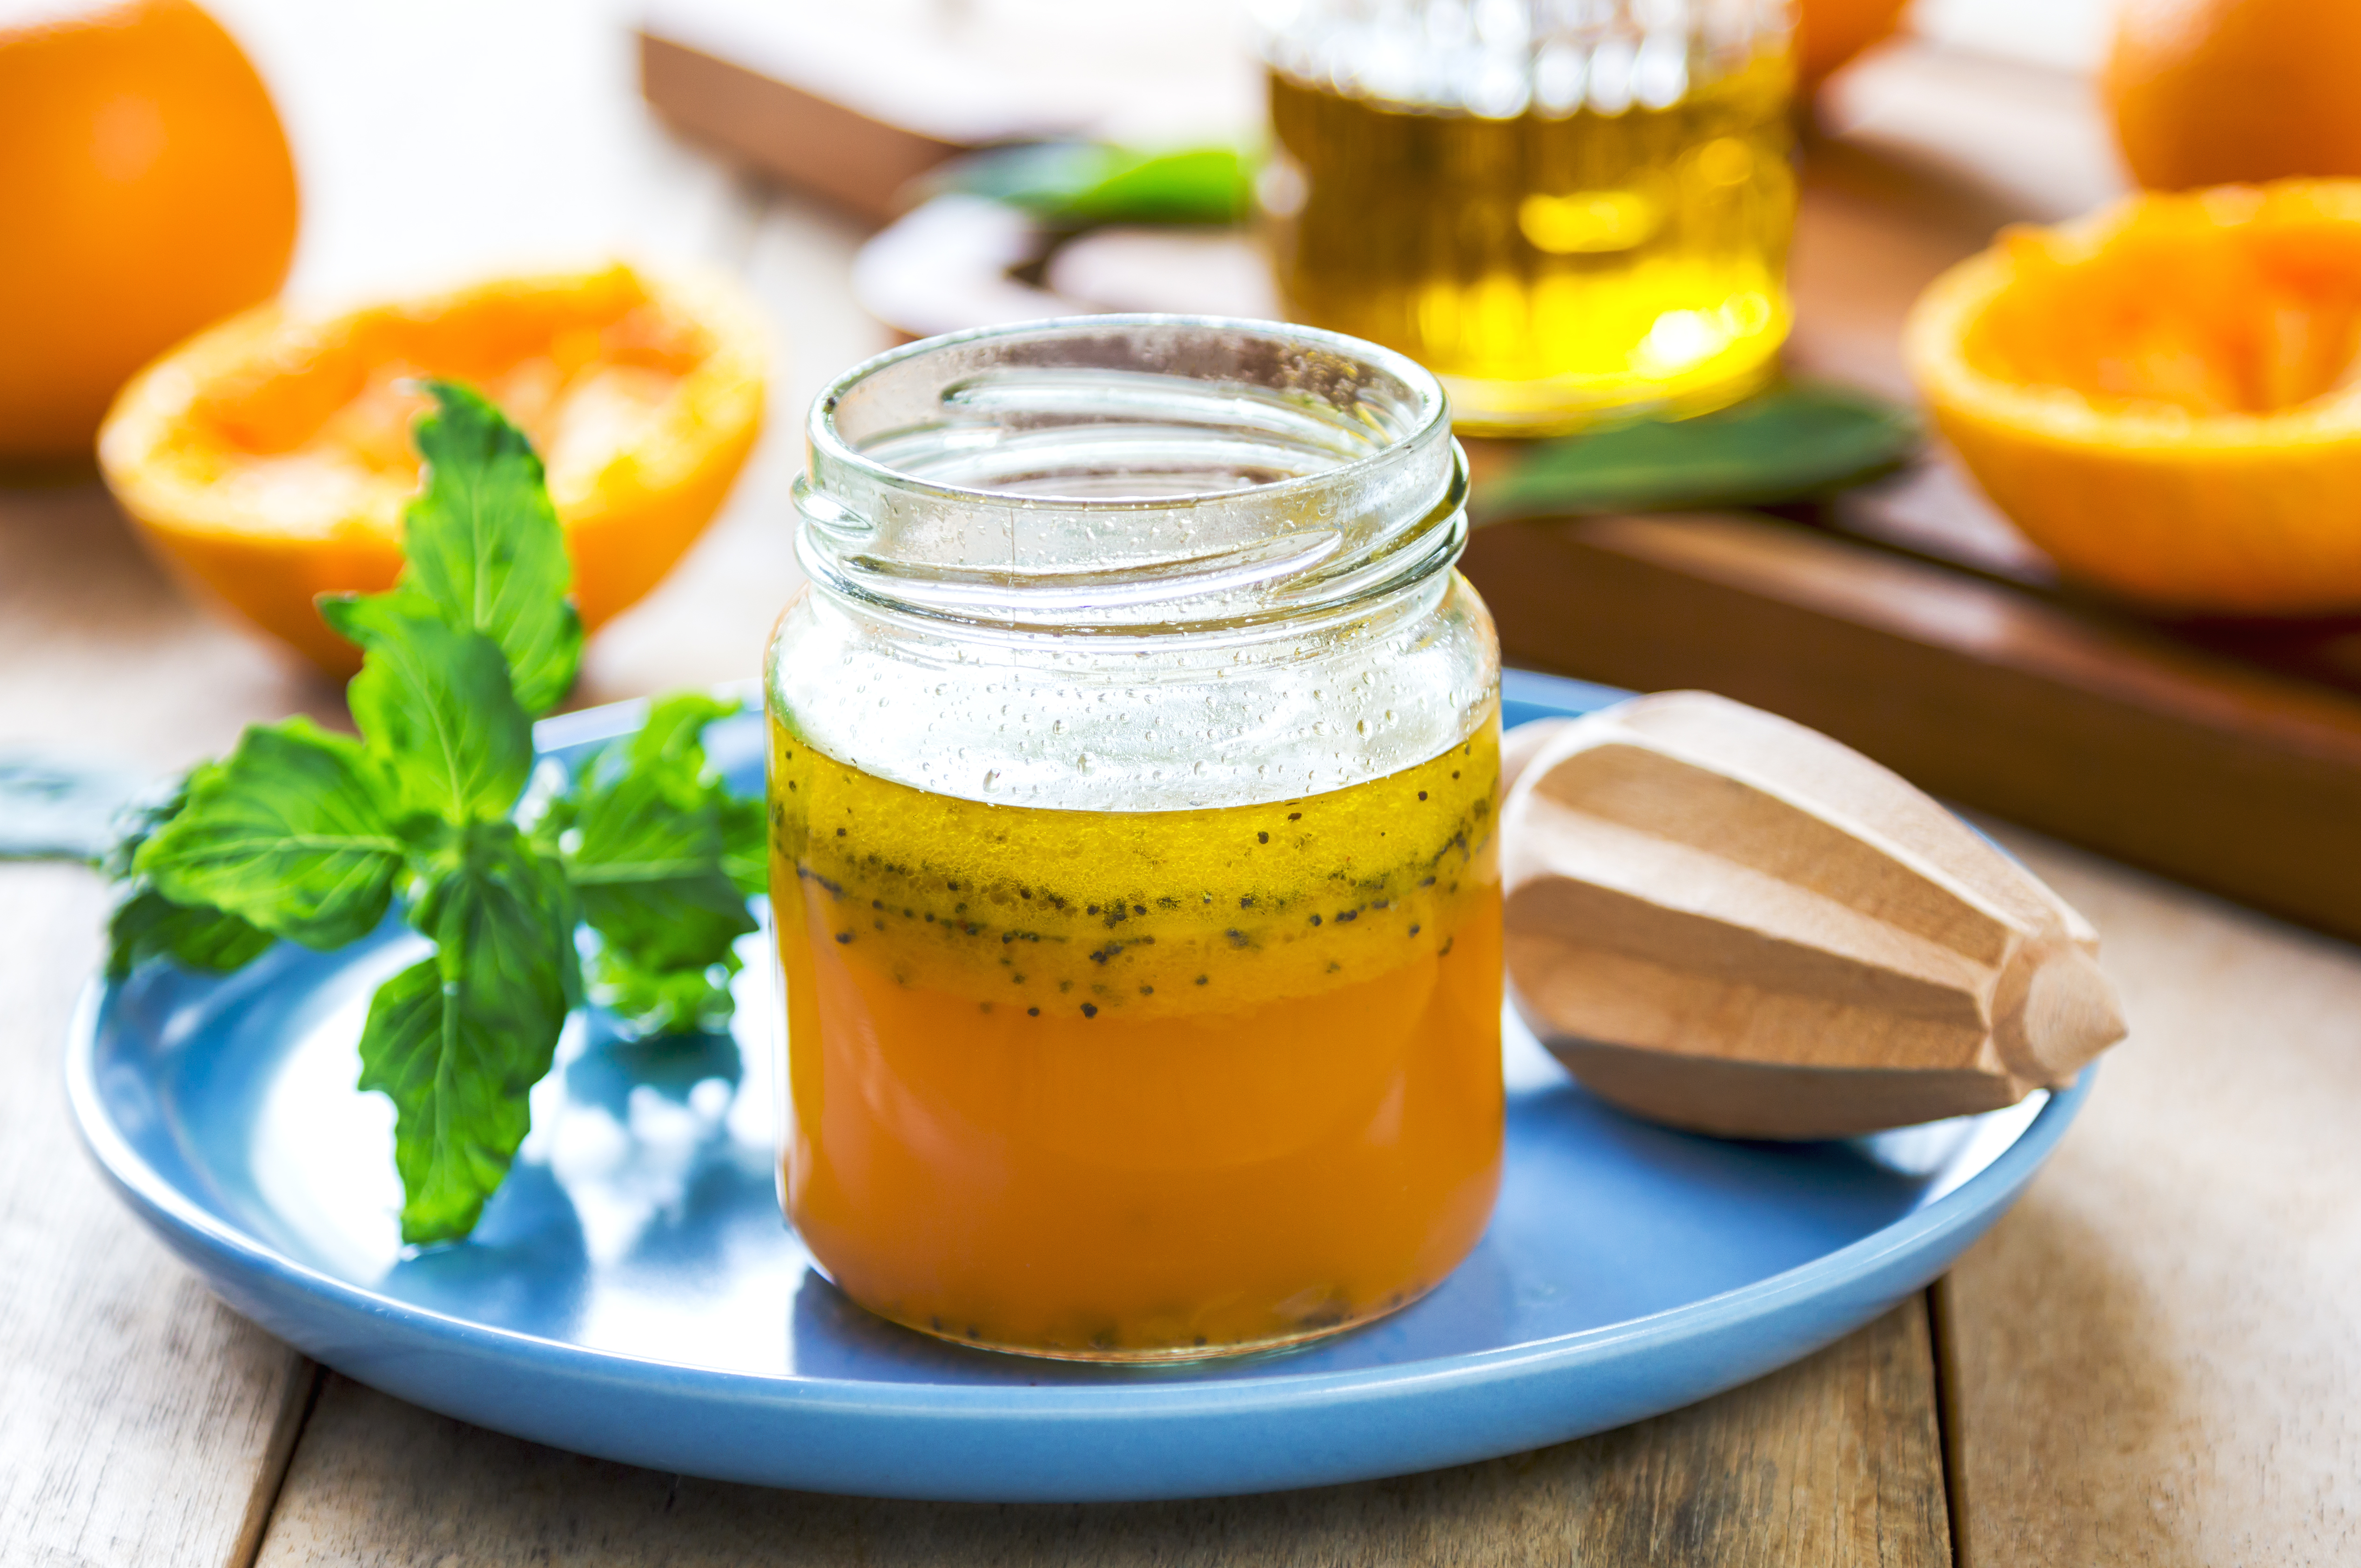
[
  {"x": 1139, "y": 1084},
  {"x": 1555, "y": 269}
]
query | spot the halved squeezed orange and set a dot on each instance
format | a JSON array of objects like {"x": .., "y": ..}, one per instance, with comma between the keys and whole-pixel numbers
[
  {"x": 1141, "y": 1085},
  {"x": 269, "y": 457},
  {"x": 2166, "y": 397}
]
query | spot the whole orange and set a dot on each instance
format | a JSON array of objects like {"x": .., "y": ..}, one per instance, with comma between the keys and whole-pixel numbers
[
  {"x": 2236, "y": 92},
  {"x": 1831, "y": 32},
  {"x": 145, "y": 189}
]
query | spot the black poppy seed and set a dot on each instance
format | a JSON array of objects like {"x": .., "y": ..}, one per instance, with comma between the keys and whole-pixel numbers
[
  {"x": 791, "y": 784},
  {"x": 844, "y": 936},
  {"x": 1334, "y": 965},
  {"x": 1454, "y": 773},
  {"x": 1139, "y": 909},
  {"x": 1017, "y": 977},
  {"x": 1006, "y": 938},
  {"x": 1245, "y": 901},
  {"x": 1093, "y": 909},
  {"x": 839, "y": 832},
  {"x": 1146, "y": 991},
  {"x": 906, "y": 914},
  {"x": 985, "y": 1006},
  {"x": 1413, "y": 930},
  {"x": 879, "y": 924},
  {"x": 1295, "y": 816},
  {"x": 930, "y": 913},
  {"x": 1262, "y": 838},
  {"x": 1347, "y": 915},
  {"x": 1422, "y": 795},
  {"x": 1090, "y": 1009},
  {"x": 937, "y": 1323},
  {"x": 1315, "y": 920},
  {"x": 1200, "y": 980},
  {"x": 1032, "y": 1012},
  {"x": 875, "y": 904}
]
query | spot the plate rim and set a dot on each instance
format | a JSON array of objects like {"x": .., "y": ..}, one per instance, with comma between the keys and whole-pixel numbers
[{"x": 1854, "y": 1263}]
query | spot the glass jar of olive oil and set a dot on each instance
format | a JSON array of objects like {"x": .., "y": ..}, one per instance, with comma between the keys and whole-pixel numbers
[
  {"x": 1135, "y": 758},
  {"x": 1571, "y": 210}
]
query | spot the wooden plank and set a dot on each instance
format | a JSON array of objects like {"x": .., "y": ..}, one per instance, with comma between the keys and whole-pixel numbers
[
  {"x": 144, "y": 1421},
  {"x": 2158, "y": 1353},
  {"x": 2101, "y": 733},
  {"x": 1833, "y": 1462}
]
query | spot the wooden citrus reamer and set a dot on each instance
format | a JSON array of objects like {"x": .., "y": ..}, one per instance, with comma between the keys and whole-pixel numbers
[{"x": 1725, "y": 921}]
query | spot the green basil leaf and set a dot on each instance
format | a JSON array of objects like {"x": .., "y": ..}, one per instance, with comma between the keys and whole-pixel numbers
[
  {"x": 146, "y": 924},
  {"x": 1791, "y": 442},
  {"x": 684, "y": 1000},
  {"x": 484, "y": 546},
  {"x": 1081, "y": 183},
  {"x": 457, "y": 1041},
  {"x": 293, "y": 833},
  {"x": 435, "y": 706},
  {"x": 647, "y": 836}
]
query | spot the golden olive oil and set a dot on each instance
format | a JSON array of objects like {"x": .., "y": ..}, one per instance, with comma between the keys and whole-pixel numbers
[{"x": 1551, "y": 268}]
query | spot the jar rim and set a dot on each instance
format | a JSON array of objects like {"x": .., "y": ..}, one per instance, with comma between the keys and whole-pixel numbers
[
  {"x": 827, "y": 439},
  {"x": 1152, "y": 474}
]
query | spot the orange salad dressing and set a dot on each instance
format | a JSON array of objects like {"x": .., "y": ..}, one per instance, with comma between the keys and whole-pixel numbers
[{"x": 1136, "y": 1085}]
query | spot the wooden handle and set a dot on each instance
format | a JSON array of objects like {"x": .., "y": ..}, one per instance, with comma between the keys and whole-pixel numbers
[{"x": 1726, "y": 921}]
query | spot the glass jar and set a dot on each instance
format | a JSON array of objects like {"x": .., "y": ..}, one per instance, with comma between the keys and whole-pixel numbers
[
  {"x": 1570, "y": 209},
  {"x": 1134, "y": 753}
]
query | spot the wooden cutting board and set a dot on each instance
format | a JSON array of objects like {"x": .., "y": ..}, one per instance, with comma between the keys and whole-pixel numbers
[{"x": 1909, "y": 620}]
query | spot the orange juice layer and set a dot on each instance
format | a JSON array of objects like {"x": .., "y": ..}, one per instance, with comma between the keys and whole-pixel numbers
[{"x": 1139, "y": 1084}]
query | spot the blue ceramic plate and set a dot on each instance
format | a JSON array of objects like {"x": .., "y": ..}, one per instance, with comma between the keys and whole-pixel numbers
[{"x": 633, "y": 1293}]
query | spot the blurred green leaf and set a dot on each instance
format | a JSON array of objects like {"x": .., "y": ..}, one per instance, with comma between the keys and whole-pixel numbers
[
  {"x": 1082, "y": 184},
  {"x": 656, "y": 847},
  {"x": 146, "y": 924},
  {"x": 1789, "y": 443}
]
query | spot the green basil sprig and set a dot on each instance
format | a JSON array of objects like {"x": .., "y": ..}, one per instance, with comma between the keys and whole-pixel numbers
[{"x": 312, "y": 836}]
